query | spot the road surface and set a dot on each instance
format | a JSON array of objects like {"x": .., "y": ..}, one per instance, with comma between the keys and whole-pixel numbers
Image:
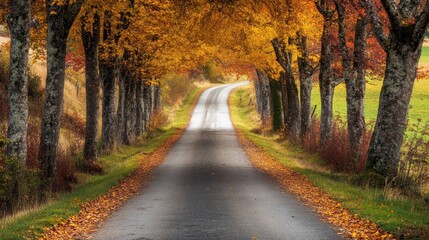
[{"x": 207, "y": 189}]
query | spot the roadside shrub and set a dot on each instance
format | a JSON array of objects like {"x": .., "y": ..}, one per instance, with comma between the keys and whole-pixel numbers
[
  {"x": 19, "y": 186},
  {"x": 34, "y": 82},
  {"x": 336, "y": 153},
  {"x": 369, "y": 180},
  {"x": 157, "y": 121},
  {"x": 413, "y": 172},
  {"x": 174, "y": 88}
]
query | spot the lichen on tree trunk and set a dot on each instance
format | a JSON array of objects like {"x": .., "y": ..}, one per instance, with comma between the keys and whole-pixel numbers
[
  {"x": 19, "y": 25},
  {"x": 60, "y": 19}
]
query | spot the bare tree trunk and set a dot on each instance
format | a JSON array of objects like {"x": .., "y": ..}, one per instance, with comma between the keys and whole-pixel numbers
[
  {"x": 284, "y": 58},
  {"x": 403, "y": 48},
  {"x": 91, "y": 40},
  {"x": 386, "y": 142},
  {"x": 293, "y": 107},
  {"x": 127, "y": 109},
  {"x": 139, "y": 108},
  {"x": 306, "y": 72},
  {"x": 19, "y": 25},
  {"x": 355, "y": 83},
  {"x": 107, "y": 74},
  {"x": 147, "y": 95},
  {"x": 326, "y": 86},
  {"x": 156, "y": 97},
  {"x": 285, "y": 97},
  {"x": 257, "y": 85},
  {"x": 60, "y": 19},
  {"x": 265, "y": 96},
  {"x": 276, "y": 105},
  {"x": 120, "y": 114}
]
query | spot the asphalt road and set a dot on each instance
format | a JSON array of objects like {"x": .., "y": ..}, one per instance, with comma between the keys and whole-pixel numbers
[{"x": 207, "y": 189}]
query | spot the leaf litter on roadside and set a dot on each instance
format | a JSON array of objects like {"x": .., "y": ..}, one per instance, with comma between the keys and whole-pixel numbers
[
  {"x": 349, "y": 224},
  {"x": 93, "y": 213}
]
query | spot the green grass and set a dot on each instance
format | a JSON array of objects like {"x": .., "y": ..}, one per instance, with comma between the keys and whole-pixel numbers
[
  {"x": 418, "y": 108},
  {"x": 117, "y": 166},
  {"x": 425, "y": 55},
  {"x": 390, "y": 213}
]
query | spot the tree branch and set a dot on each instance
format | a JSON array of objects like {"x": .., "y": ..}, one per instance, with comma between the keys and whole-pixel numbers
[
  {"x": 377, "y": 26},
  {"x": 421, "y": 25},
  {"x": 393, "y": 13}
]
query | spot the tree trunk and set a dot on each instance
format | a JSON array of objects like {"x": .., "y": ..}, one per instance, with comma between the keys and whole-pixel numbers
[
  {"x": 326, "y": 86},
  {"x": 265, "y": 97},
  {"x": 60, "y": 20},
  {"x": 306, "y": 72},
  {"x": 293, "y": 107},
  {"x": 285, "y": 97},
  {"x": 127, "y": 110},
  {"x": 276, "y": 105},
  {"x": 107, "y": 74},
  {"x": 19, "y": 25},
  {"x": 258, "y": 100},
  {"x": 120, "y": 114},
  {"x": 355, "y": 90},
  {"x": 91, "y": 42},
  {"x": 386, "y": 142},
  {"x": 139, "y": 108},
  {"x": 156, "y": 98},
  {"x": 147, "y": 94}
]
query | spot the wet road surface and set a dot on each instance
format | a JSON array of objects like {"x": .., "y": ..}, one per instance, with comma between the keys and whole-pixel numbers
[{"x": 207, "y": 189}]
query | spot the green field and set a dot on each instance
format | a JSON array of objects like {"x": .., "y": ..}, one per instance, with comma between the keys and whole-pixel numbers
[
  {"x": 419, "y": 106},
  {"x": 425, "y": 55}
]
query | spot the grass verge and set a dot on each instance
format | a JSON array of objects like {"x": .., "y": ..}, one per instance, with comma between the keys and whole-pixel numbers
[
  {"x": 31, "y": 224},
  {"x": 390, "y": 211}
]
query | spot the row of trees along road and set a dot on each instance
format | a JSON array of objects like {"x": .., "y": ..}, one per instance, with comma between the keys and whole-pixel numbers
[
  {"x": 281, "y": 43},
  {"x": 343, "y": 52}
]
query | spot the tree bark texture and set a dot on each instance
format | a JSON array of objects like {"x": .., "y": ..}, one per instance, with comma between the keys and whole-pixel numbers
[
  {"x": 91, "y": 40},
  {"x": 290, "y": 90},
  {"x": 60, "y": 20},
  {"x": 265, "y": 96},
  {"x": 19, "y": 25},
  {"x": 293, "y": 107},
  {"x": 326, "y": 86},
  {"x": 147, "y": 95},
  {"x": 108, "y": 133},
  {"x": 140, "y": 128},
  {"x": 156, "y": 98},
  {"x": 306, "y": 72},
  {"x": 403, "y": 48},
  {"x": 120, "y": 114},
  {"x": 276, "y": 105},
  {"x": 257, "y": 85},
  {"x": 354, "y": 77},
  {"x": 387, "y": 139}
]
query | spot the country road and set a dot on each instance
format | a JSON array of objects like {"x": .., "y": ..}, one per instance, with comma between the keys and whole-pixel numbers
[{"x": 207, "y": 189}]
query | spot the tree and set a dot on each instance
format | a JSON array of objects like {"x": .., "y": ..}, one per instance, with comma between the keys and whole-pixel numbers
[
  {"x": 60, "y": 18},
  {"x": 19, "y": 24},
  {"x": 90, "y": 32},
  {"x": 354, "y": 76},
  {"x": 407, "y": 22},
  {"x": 326, "y": 79}
]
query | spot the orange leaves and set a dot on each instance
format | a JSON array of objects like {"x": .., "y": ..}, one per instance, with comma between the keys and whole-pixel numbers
[
  {"x": 332, "y": 211},
  {"x": 93, "y": 213}
]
